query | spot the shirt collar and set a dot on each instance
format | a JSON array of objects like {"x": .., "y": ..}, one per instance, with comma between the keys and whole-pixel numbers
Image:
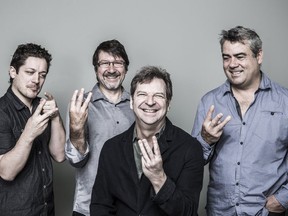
[
  {"x": 265, "y": 84},
  {"x": 19, "y": 105},
  {"x": 135, "y": 137},
  {"x": 98, "y": 95}
]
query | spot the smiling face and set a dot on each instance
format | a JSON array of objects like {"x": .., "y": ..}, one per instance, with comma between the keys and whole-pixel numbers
[
  {"x": 28, "y": 82},
  {"x": 240, "y": 65},
  {"x": 110, "y": 78},
  {"x": 149, "y": 104}
]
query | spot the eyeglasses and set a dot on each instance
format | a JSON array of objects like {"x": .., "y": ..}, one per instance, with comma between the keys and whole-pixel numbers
[{"x": 106, "y": 64}]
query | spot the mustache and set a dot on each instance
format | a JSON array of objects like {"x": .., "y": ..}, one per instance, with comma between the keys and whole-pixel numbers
[{"x": 111, "y": 74}]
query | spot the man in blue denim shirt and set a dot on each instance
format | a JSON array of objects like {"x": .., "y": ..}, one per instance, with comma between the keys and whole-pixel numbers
[{"x": 243, "y": 128}]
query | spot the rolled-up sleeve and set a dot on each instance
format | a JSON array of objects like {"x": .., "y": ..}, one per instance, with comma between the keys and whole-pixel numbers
[{"x": 75, "y": 158}]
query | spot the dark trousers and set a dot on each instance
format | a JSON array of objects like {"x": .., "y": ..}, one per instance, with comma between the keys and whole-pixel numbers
[{"x": 77, "y": 214}]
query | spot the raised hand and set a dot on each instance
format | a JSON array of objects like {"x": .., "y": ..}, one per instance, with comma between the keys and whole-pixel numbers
[
  {"x": 50, "y": 105},
  {"x": 78, "y": 114},
  {"x": 212, "y": 129},
  {"x": 152, "y": 164},
  {"x": 38, "y": 122}
]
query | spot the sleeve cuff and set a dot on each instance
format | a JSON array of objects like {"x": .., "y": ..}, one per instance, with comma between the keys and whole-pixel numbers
[
  {"x": 281, "y": 197},
  {"x": 165, "y": 192},
  {"x": 73, "y": 155}
]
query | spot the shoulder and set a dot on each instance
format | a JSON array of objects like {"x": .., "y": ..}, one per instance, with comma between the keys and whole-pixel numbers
[
  {"x": 119, "y": 141},
  {"x": 220, "y": 90},
  {"x": 181, "y": 137}
]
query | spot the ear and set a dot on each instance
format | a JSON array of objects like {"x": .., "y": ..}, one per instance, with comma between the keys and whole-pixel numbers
[
  {"x": 12, "y": 72},
  {"x": 260, "y": 57},
  {"x": 131, "y": 103}
]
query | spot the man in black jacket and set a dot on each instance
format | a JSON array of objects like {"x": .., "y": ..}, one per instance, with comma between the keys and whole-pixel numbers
[{"x": 153, "y": 168}]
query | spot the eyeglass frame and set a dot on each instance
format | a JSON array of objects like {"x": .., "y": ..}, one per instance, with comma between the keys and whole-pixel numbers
[{"x": 107, "y": 64}]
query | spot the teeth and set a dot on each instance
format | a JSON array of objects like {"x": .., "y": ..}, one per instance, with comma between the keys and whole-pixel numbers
[{"x": 149, "y": 110}]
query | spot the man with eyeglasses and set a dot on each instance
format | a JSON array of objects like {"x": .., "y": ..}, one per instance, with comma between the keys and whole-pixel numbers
[{"x": 95, "y": 117}]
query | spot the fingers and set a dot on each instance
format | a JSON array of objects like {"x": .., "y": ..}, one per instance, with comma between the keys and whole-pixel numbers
[
  {"x": 146, "y": 150},
  {"x": 226, "y": 120},
  {"x": 80, "y": 97},
  {"x": 216, "y": 121},
  {"x": 87, "y": 100},
  {"x": 156, "y": 146},
  {"x": 77, "y": 100},
  {"x": 74, "y": 96},
  {"x": 209, "y": 114},
  {"x": 44, "y": 114},
  {"x": 48, "y": 96},
  {"x": 40, "y": 107}
]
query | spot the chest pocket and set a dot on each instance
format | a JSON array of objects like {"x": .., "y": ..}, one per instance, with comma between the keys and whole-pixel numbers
[{"x": 272, "y": 126}]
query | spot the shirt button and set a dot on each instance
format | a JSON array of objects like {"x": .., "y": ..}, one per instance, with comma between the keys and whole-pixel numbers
[
  {"x": 272, "y": 113},
  {"x": 43, "y": 170},
  {"x": 244, "y": 123},
  {"x": 117, "y": 122},
  {"x": 238, "y": 163},
  {"x": 241, "y": 143},
  {"x": 39, "y": 152},
  {"x": 44, "y": 186},
  {"x": 237, "y": 204},
  {"x": 237, "y": 184}
]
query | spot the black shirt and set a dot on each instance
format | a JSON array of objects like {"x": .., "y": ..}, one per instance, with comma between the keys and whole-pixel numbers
[{"x": 31, "y": 192}]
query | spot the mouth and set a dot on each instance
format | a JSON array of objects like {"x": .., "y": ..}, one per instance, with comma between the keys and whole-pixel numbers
[
  {"x": 111, "y": 75},
  {"x": 33, "y": 88},
  {"x": 235, "y": 73},
  {"x": 150, "y": 110}
]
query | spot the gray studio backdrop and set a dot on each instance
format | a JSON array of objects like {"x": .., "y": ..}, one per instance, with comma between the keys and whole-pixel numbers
[{"x": 181, "y": 36}]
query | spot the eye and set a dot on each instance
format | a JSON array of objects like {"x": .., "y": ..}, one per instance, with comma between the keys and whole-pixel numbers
[
  {"x": 118, "y": 64},
  {"x": 141, "y": 94},
  {"x": 30, "y": 72},
  {"x": 43, "y": 75},
  {"x": 105, "y": 64},
  {"x": 240, "y": 57},
  {"x": 225, "y": 58},
  {"x": 160, "y": 96}
]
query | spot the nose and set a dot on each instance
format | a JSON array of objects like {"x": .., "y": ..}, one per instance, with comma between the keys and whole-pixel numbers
[
  {"x": 150, "y": 100},
  {"x": 35, "y": 78},
  {"x": 233, "y": 63},
  {"x": 111, "y": 67}
]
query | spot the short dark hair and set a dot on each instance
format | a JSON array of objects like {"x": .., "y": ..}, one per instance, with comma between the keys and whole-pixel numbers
[
  {"x": 24, "y": 51},
  {"x": 114, "y": 48},
  {"x": 148, "y": 73},
  {"x": 242, "y": 34}
]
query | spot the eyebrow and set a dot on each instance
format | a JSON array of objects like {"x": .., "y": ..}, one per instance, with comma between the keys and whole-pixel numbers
[{"x": 236, "y": 54}]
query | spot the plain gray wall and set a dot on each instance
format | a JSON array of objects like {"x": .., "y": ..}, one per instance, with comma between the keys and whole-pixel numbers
[{"x": 181, "y": 36}]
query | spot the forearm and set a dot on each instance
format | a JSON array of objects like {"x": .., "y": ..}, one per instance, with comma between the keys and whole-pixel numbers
[
  {"x": 159, "y": 182},
  {"x": 174, "y": 201},
  {"x": 75, "y": 158},
  {"x": 57, "y": 139},
  {"x": 12, "y": 162},
  {"x": 77, "y": 138}
]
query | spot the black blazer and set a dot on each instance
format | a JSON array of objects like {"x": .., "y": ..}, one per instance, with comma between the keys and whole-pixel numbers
[{"x": 118, "y": 191}]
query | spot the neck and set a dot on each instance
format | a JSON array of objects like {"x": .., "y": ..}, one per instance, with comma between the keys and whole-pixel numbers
[
  {"x": 148, "y": 131},
  {"x": 114, "y": 96},
  {"x": 25, "y": 100}
]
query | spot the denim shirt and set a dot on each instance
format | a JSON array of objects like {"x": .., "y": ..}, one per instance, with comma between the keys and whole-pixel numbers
[
  {"x": 31, "y": 192},
  {"x": 105, "y": 120},
  {"x": 249, "y": 162}
]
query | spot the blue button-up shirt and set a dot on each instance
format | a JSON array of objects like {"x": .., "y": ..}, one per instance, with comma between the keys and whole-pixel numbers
[
  {"x": 105, "y": 120},
  {"x": 249, "y": 162}
]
